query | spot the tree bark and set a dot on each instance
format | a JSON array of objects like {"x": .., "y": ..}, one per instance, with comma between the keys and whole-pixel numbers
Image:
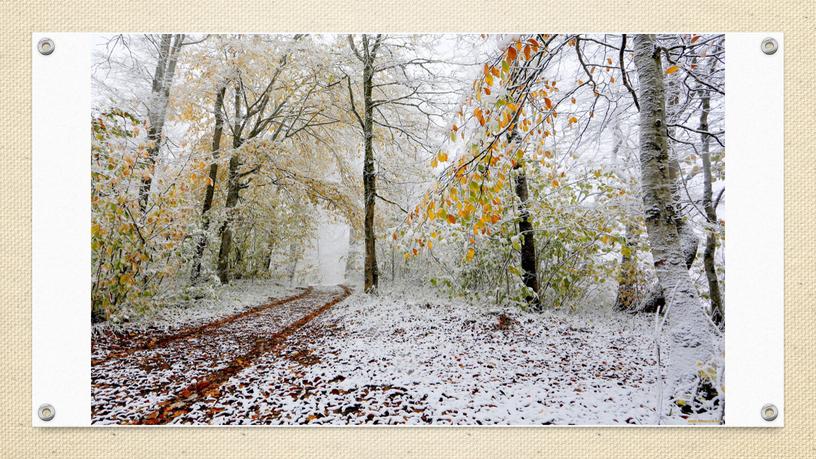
[
  {"x": 157, "y": 109},
  {"x": 690, "y": 340},
  {"x": 689, "y": 242},
  {"x": 529, "y": 272},
  {"x": 233, "y": 193},
  {"x": 717, "y": 311},
  {"x": 371, "y": 272},
  {"x": 210, "y": 191}
]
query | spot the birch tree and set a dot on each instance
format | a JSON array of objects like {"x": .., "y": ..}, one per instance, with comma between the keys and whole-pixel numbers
[
  {"x": 689, "y": 329},
  {"x": 169, "y": 49}
]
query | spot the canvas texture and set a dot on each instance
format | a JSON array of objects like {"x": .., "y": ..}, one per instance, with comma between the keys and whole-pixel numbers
[{"x": 796, "y": 19}]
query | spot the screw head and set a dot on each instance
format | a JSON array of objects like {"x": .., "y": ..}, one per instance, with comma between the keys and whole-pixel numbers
[
  {"x": 769, "y": 46},
  {"x": 46, "y": 412},
  {"x": 769, "y": 412},
  {"x": 46, "y": 46}
]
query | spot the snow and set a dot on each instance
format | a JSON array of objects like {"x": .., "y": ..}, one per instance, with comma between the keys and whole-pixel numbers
[
  {"x": 218, "y": 303},
  {"x": 129, "y": 387},
  {"x": 222, "y": 301},
  {"x": 389, "y": 360}
]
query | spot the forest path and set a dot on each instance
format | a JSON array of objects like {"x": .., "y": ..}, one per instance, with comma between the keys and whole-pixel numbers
[
  {"x": 115, "y": 346},
  {"x": 158, "y": 378}
]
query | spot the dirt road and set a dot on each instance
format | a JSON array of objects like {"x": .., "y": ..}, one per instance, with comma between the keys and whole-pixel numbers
[{"x": 155, "y": 380}]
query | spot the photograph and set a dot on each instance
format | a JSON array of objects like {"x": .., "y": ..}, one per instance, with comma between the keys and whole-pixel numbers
[{"x": 514, "y": 229}]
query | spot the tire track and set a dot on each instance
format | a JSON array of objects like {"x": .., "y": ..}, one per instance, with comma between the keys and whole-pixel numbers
[
  {"x": 182, "y": 402},
  {"x": 164, "y": 340}
]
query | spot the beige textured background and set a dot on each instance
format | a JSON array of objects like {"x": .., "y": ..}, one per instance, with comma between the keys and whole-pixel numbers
[{"x": 797, "y": 19}]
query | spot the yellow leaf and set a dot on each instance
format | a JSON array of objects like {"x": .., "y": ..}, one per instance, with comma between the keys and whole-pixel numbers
[
  {"x": 555, "y": 183},
  {"x": 470, "y": 254},
  {"x": 477, "y": 112},
  {"x": 442, "y": 156},
  {"x": 672, "y": 69}
]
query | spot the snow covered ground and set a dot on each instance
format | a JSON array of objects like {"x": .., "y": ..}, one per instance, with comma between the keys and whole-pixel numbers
[
  {"x": 136, "y": 386},
  {"x": 391, "y": 360},
  {"x": 224, "y": 301}
]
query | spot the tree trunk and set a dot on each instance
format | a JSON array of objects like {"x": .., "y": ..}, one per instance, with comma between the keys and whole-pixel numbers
[
  {"x": 233, "y": 193},
  {"x": 690, "y": 340},
  {"x": 210, "y": 191},
  {"x": 689, "y": 242},
  {"x": 717, "y": 311},
  {"x": 157, "y": 110},
  {"x": 226, "y": 227},
  {"x": 369, "y": 178},
  {"x": 295, "y": 250},
  {"x": 529, "y": 274}
]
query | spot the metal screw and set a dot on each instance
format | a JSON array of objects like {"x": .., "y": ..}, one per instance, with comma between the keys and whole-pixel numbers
[
  {"x": 46, "y": 412},
  {"x": 769, "y": 46},
  {"x": 769, "y": 412},
  {"x": 45, "y": 46}
]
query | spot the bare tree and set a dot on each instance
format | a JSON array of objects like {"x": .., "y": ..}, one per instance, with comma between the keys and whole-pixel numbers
[
  {"x": 157, "y": 108},
  {"x": 367, "y": 56},
  {"x": 710, "y": 207},
  {"x": 391, "y": 95}
]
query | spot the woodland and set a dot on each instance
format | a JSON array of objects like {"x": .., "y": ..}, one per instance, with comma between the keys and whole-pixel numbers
[{"x": 574, "y": 183}]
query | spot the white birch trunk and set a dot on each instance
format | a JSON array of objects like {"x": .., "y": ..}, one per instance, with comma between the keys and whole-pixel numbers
[{"x": 689, "y": 329}]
